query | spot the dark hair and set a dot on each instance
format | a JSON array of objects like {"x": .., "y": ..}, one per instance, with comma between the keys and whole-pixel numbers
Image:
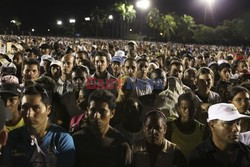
[
  {"x": 81, "y": 68},
  {"x": 142, "y": 60},
  {"x": 157, "y": 114},
  {"x": 204, "y": 70},
  {"x": 37, "y": 89},
  {"x": 223, "y": 65},
  {"x": 176, "y": 63},
  {"x": 103, "y": 96},
  {"x": 235, "y": 90},
  {"x": 31, "y": 62},
  {"x": 130, "y": 101},
  {"x": 130, "y": 59},
  {"x": 103, "y": 54},
  {"x": 189, "y": 96},
  {"x": 157, "y": 71}
]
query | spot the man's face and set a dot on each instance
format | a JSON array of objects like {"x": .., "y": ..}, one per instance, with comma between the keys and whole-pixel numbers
[
  {"x": 68, "y": 64},
  {"x": 116, "y": 67},
  {"x": 11, "y": 101},
  {"x": 186, "y": 111},
  {"x": 34, "y": 111},
  {"x": 154, "y": 130},
  {"x": 130, "y": 68},
  {"x": 205, "y": 82},
  {"x": 176, "y": 71},
  {"x": 225, "y": 74},
  {"x": 79, "y": 79},
  {"x": 80, "y": 57},
  {"x": 101, "y": 63},
  {"x": 55, "y": 71},
  {"x": 142, "y": 69},
  {"x": 226, "y": 132},
  {"x": 17, "y": 59},
  {"x": 99, "y": 114},
  {"x": 30, "y": 72},
  {"x": 46, "y": 65},
  {"x": 241, "y": 101},
  {"x": 242, "y": 67},
  {"x": 160, "y": 80}
]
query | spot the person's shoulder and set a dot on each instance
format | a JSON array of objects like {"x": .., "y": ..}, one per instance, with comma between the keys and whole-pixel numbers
[
  {"x": 115, "y": 134},
  {"x": 21, "y": 131}
]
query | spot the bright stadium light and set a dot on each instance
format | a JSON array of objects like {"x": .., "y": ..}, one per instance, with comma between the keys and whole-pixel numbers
[
  {"x": 72, "y": 21},
  {"x": 111, "y": 17},
  {"x": 13, "y": 21},
  {"x": 32, "y": 29},
  {"x": 143, "y": 4},
  {"x": 59, "y": 22},
  {"x": 208, "y": 2},
  {"x": 87, "y": 18},
  {"x": 48, "y": 30}
]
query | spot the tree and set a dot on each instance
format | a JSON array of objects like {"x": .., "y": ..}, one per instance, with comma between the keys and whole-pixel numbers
[
  {"x": 204, "y": 34},
  {"x": 186, "y": 25},
  {"x": 127, "y": 15},
  {"x": 167, "y": 26},
  {"x": 154, "y": 19},
  {"x": 98, "y": 18}
]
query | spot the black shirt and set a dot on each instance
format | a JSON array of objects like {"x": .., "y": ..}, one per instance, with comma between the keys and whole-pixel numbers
[{"x": 208, "y": 155}]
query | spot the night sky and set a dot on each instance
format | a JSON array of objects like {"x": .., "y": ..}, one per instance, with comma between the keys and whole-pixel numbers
[{"x": 42, "y": 14}]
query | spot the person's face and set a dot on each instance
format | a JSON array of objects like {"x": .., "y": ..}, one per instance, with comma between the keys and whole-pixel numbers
[
  {"x": 101, "y": 63},
  {"x": 189, "y": 79},
  {"x": 186, "y": 62},
  {"x": 68, "y": 64},
  {"x": 143, "y": 69},
  {"x": 226, "y": 132},
  {"x": 116, "y": 67},
  {"x": 80, "y": 57},
  {"x": 225, "y": 74},
  {"x": 30, "y": 72},
  {"x": 186, "y": 111},
  {"x": 99, "y": 114},
  {"x": 130, "y": 68},
  {"x": 205, "y": 82},
  {"x": 46, "y": 65},
  {"x": 45, "y": 51},
  {"x": 242, "y": 66},
  {"x": 154, "y": 130},
  {"x": 79, "y": 79},
  {"x": 34, "y": 111},
  {"x": 131, "y": 47},
  {"x": 223, "y": 91},
  {"x": 241, "y": 101},
  {"x": 55, "y": 71},
  {"x": 160, "y": 80},
  {"x": 151, "y": 68},
  {"x": 11, "y": 101},
  {"x": 176, "y": 71},
  {"x": 17, "y": 59},
  {"x": 214, "y": 68}
]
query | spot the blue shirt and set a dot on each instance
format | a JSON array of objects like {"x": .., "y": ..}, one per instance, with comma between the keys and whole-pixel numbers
[{"x": 19, "y": 148}]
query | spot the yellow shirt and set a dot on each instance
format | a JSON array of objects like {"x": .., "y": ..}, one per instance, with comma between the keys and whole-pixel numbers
[
  {"x": 19, "y": 124},
  {"x": 187, "y": 142}
]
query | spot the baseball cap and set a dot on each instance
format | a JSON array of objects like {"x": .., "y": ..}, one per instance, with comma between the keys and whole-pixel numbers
[
  {"x": 56, "y": 62},
  {"x": 8, "y": 69},
  {"x": 47, "y": 57},
  {"x": 224, "y": 112},
  {"x": 118, "y": 59},
  {"x": 11, "y": 79},
  {"x": 120, "y": 53},
  {"x": 11, "y": 88},
  {"x": 212, "y": 63}
]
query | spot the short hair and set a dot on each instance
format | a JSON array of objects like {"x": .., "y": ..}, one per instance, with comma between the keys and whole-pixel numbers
[
  {"x": 223, "y": 65},
  {"x": 204, "y": 70},
  {"x": 37, "y": 89},
  {"x": 190, "y": 69},
  {"x": 142, "y": 60},
  {"x": 31, "y": 62},
  {"x": 102, "y": 95},
  {"x": 81, "y": 68},
  {"x": 103, "y": 54},
  {"x": 189, "y": 96},
  {"x": 157, "y": 114},
  {"x": 235, "y": 90},
  {"x": 130, "y": 59},
  {"x": 176, "y": 63}
]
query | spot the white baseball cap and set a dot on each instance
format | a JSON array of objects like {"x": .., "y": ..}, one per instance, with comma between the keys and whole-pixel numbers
[{"x": 224, "y": 112}]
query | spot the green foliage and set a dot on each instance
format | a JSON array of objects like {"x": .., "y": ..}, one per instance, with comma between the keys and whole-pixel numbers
[
  {"x": 154, "y": 19},
  {"x": 168, "y": 26},
  {"x": 203, "y": 34}
]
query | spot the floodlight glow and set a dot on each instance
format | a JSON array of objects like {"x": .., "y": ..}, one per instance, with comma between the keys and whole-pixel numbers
[
  {"x": 143, "y": 4},
  {"x": 48, "y": 30},
  {"x": 32, "y": 29},
  {"x": 72, "y": 20},
  {"x": 111, "y": 17},
  {"x": 87, "y": 18},
  {"x": 59, "y": 22},
  {"x": 161, "y": 34},
  {"x": 209, "y": 2},
  {"x": 130, "y": 30}
]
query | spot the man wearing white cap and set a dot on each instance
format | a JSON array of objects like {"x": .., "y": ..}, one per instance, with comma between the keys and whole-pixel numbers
[{"x": 223, "y": 148}]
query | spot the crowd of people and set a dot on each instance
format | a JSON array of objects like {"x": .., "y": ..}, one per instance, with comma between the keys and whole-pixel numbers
[{"x": 92, "y": 102}]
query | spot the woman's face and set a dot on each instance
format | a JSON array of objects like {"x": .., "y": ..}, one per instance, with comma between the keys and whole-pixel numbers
[{"x": 241, "y": 101}]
